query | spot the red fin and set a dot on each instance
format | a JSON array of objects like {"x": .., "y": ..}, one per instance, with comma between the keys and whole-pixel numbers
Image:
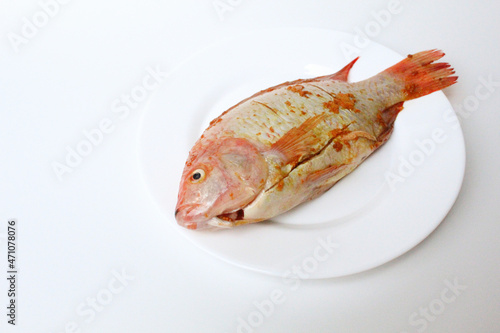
[
  {"x": 386, "y": 118},
  {"x": 421, "y": 76},
  {"x": 389, "y": 115},
  {"x": 297, "y": 142},
  {"x": 342, "y": 74}
]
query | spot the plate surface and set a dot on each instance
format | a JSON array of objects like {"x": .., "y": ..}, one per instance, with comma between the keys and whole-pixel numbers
[{"x": 389, "y": 204}]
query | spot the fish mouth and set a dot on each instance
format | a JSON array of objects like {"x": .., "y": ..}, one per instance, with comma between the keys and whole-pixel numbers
[
  {"x": 232, "y": 216},
  {"x": 189, "y": 218},
  {"x": 215, "y": 223},
  {"x": 186, "y": 218},
  {"x": 195, "y": 217},
  {"x": 199, "y": 225}
]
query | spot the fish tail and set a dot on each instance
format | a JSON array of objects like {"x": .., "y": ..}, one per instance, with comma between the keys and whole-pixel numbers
[{"x": 420, "y": 75}]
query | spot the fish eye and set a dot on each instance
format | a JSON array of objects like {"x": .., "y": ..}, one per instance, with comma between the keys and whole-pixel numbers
[{"x": 197, "y": 176}]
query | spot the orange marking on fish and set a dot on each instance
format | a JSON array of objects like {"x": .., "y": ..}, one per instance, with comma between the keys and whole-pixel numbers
[
  {"x": 340, "y": 131},
  {"x": 337, "y": 146},
  {"x": 299, "y": 89},
  {"x": 191, "y": 226},
  {"x": 225, "y": 218},
  {"x": 214, "y": 122},
  {"x": 380, "y": 120},
  {"x": 191, "y": 159},
  {"x": 341, "y": 100},
  {"x": 280, "y": 185},
  {"x": 332, "y": 106}
]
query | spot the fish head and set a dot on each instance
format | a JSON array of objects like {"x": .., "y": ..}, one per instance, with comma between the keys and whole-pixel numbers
[{"x": 219, "y": 178}]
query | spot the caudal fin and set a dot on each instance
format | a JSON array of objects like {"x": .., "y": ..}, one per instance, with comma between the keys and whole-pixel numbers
[{"x": 421, "y": 76}]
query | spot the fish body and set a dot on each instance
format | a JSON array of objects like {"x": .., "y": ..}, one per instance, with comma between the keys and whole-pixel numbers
[{"x": 290, "y": 143}]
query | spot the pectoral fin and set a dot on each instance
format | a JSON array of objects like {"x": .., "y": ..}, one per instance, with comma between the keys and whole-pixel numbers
[{"x": 298, "y": 142}]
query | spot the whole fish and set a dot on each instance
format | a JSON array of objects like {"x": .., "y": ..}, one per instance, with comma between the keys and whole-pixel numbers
[{"x": 292, "y": 142}]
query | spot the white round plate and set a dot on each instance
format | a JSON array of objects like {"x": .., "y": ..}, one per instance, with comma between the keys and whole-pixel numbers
[{"x": 389, "y": 204}]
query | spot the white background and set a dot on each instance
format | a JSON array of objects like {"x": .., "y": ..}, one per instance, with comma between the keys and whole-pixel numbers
[{"x": 77, "y": 233}]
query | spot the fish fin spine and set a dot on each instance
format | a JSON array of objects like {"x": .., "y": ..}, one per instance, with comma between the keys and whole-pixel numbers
[{"x": 342, "y": 74}]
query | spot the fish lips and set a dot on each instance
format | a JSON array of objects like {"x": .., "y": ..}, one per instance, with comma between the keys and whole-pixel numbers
[
  {"x": 195, "y": 217},
  {"x": 190, "y": 216}
]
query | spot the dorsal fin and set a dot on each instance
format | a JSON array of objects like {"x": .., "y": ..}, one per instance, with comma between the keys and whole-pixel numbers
[{"x": 342, "y": 74}]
